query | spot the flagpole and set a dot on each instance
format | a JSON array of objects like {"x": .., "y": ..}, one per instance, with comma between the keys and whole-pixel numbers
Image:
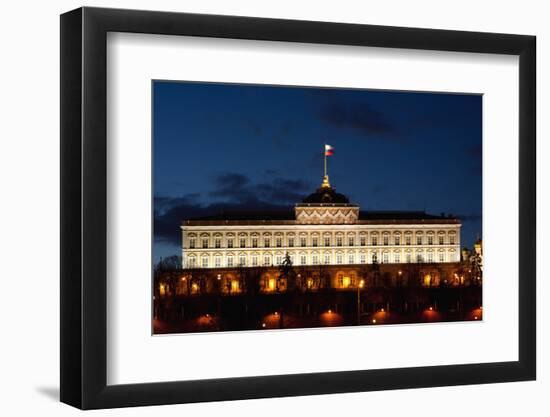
[{"x": 325, "y": 154}]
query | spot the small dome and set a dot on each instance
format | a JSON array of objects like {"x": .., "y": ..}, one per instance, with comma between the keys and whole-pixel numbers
[{"x": 326, "y": 195}]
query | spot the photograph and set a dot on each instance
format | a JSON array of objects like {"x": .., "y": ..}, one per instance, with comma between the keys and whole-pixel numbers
[{"x": 285, "y": 207}]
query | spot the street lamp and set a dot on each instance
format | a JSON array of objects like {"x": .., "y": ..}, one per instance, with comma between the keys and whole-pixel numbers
[{"x": 361, "y": 285}]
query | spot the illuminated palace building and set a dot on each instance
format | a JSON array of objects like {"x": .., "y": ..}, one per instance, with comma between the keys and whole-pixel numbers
[{"x": 325, "y": 229}]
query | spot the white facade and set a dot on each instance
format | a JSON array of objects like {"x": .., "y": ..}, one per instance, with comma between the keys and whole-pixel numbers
[{"x": 232, "y": 244}]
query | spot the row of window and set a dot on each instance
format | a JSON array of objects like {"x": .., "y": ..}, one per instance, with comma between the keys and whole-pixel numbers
[
  {"x": 327, "y": 241},
  {"x": 302, "y": 259}
]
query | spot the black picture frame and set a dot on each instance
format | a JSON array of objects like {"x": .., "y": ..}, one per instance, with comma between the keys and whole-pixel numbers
[{"x": 84, "y": 207}]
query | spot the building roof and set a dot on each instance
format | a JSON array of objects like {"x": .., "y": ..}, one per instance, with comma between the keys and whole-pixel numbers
[
  {"x": 256, "y": 215},
  {"x": 287, "y": 217}
]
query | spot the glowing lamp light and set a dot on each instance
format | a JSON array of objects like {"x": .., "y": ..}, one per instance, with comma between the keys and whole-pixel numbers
[
  {"x": 263, "y": 324},
  {"x": 382, "y": 310},
  {"x": 475, "y": 317},
  {"x": 431, "y": 309},
  {"x": 208, "y": 315},
  {"x": 219, "y": 277},
  {"x": 361, "y": 283},
  {"x": 276, "y": 313},
  {"x": 373, "y": 321},
  {"x": 399, "y": 272},
  {"x": 329, "y": 312},
  {"x": 183, "y": 278}
]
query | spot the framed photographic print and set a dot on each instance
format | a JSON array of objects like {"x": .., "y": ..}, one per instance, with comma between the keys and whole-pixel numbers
[{"x": 258, "y": 208}]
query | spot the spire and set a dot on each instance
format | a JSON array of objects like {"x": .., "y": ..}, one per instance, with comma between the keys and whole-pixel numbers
[{"x": 326, "y": 183}]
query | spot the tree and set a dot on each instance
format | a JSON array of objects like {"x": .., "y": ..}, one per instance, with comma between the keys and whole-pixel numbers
[
  {"x": 476, "y": 268},
  {"x": 374, "y": 271},
  {"x": 167, "y": 272},
  {"x": 170, "y": 263}
]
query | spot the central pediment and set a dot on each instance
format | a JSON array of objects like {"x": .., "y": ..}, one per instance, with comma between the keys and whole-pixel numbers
[{"x": 326, "y": 214}]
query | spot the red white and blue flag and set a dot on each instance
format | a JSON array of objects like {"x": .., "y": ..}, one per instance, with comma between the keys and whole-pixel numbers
[{"x": 329, "y": 150}]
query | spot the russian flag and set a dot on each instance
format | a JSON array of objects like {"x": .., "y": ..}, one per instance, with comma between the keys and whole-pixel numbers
[{"x": 329, "y": 150}]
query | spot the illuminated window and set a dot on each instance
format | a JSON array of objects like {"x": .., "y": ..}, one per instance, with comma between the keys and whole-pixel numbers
[
  {"x": 327, "y": 258},
  {"x": 315, "y": 242},
  {"x": 397, "y": 240},
  {"x": 430, "y": 257},
  {"x": 386, "y": 240},
  {"x": 451, "y": 240},
  {"x": 279, "y": 242},
  {"x": 397, "y": 258},
  {"x": 303, "y": 241},
  {"x": 267, "y": 261},
  {"x": 218, "y": 243},
  {"x": 205, "y": 243},
  {"x": 338, "y": 240},
  {"x": 385, "y": 257},
  {"x": 254, "y": 242},
  {"x": 327, "y": 241},
  {"x": 230, "y": 261},
  {"x": 430, "y": 240},
  {"x": 204, "y": 262},
  {"x": 267, "y": 242},
  {"x": 339, "y": 258},
  {"x": 374, "y": 240},
  {"x": 362, "y": 258},
  {"x": 427, "y": 280},
  {"x": 229, "y": 243},
  {"x": 303, "y": 259},
  {"x": 351, "y": 259},
  {"x": 235, "y": 285},
  {"x": 351, "y": 241},
  {"x": 408, "y": 240},
  {"x": 291, "y": 242},
  {"x": 363, "y": 241},
  {"x": 441, "y": 240},
  {"x": 279, "y": 259},
  {"x": 315, "y": 260},
  {"x": 242, "y": 242},
  {"x": 192, "y": 243},
  {"x": 254, "y": 261},
  {"x": 271, "y": 284},
  {"x": 344, "y": 281},
  {"x": 218, "y": 261}
]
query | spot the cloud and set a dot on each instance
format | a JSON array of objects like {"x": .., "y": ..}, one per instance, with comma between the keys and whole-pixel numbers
[
  {"x": 237, "y": 188},
  {"x": 232, "y": 192},
  {"x": 357, "y": 116},
  {"x": 472, "y": 217},
  {"x": 253, "y": 126}
]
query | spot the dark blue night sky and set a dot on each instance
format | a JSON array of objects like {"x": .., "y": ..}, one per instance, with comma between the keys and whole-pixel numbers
[{"x": 230, "y": 146}]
